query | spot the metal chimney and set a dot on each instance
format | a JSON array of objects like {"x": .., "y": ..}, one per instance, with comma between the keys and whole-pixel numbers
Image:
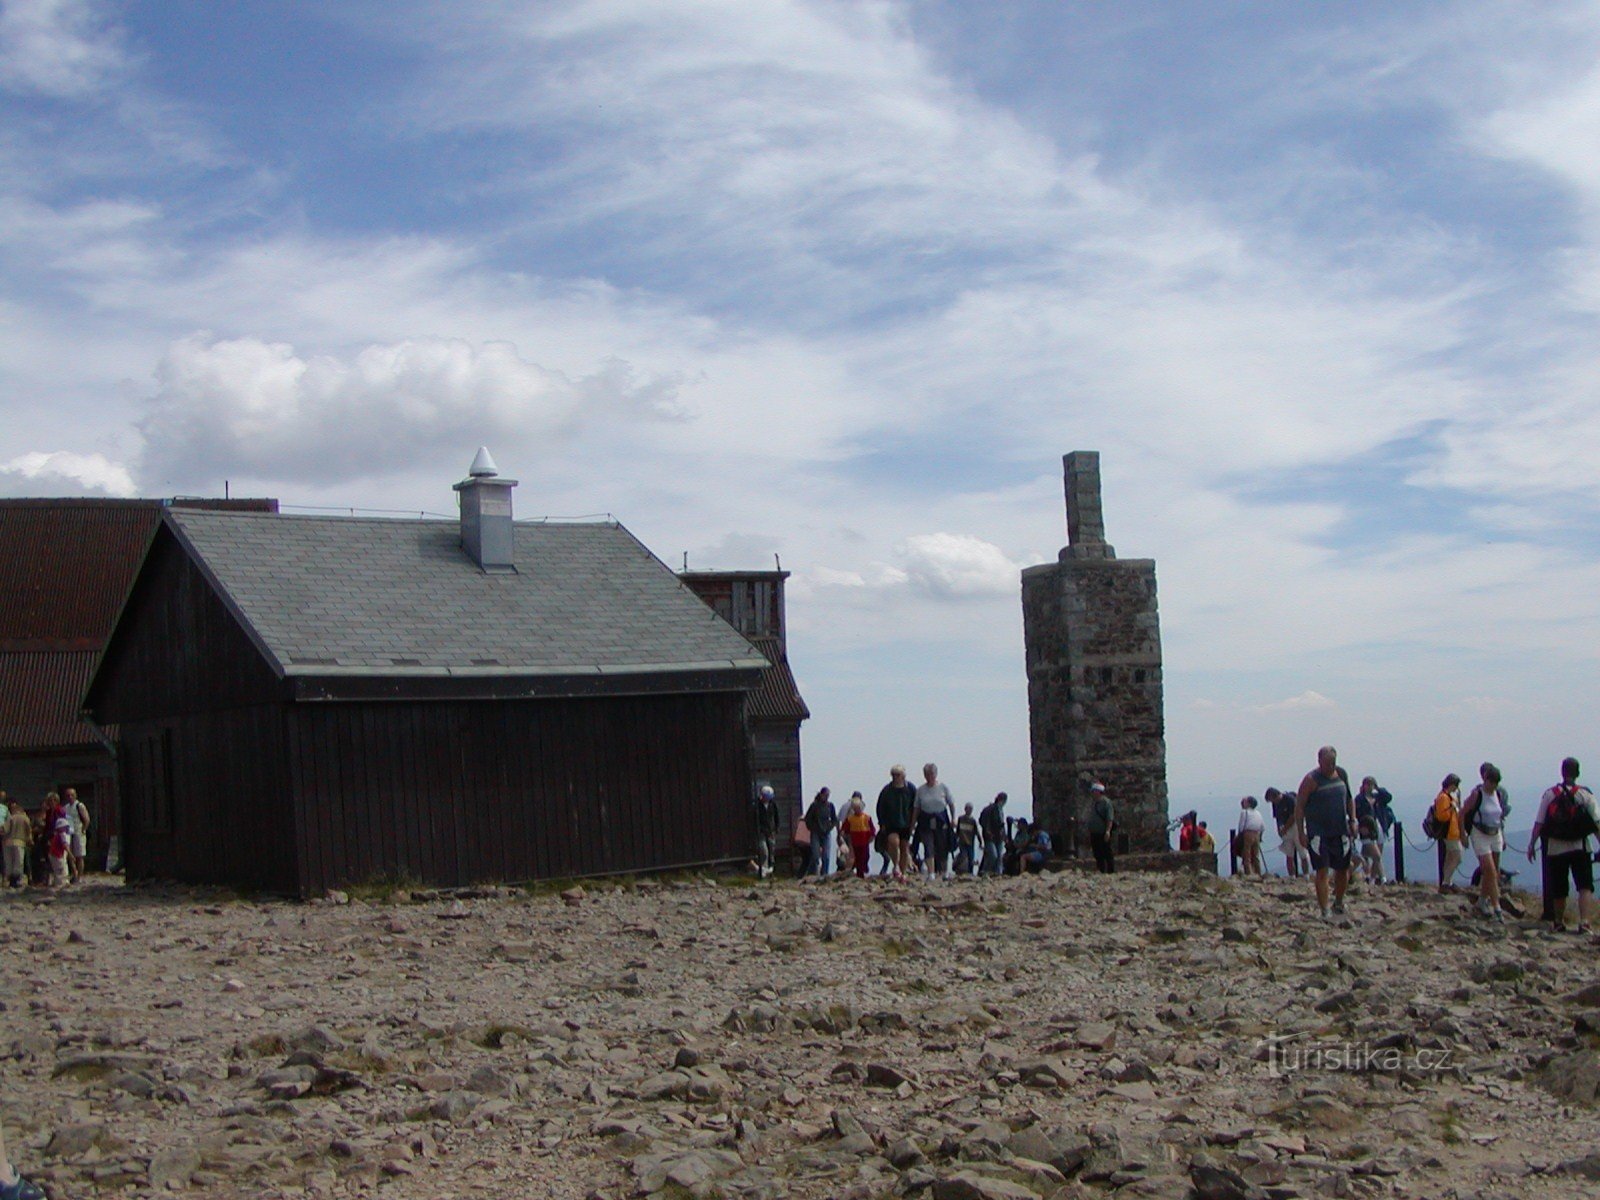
[{"x": 486, "y": 533}]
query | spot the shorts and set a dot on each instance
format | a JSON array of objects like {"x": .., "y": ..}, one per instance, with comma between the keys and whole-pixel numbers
[
  {"x": 1291, "y": 837},
  {"x": 79, "y": 846},
  {"x": 1576, "y": 863},
  {"x": 1487, "y": 843},
  {"x": 1329, "y": 851}
]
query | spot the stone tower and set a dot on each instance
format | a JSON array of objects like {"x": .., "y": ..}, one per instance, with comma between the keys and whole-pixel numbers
[{"x": 1093, "y": 643}]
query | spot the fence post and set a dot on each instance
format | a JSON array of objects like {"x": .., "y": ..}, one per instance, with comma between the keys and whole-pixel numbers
[
  {"x": 1399, "y": 853},
  {"x": 1233, "y": 852},
  {"x": 1439, "y": 847}
]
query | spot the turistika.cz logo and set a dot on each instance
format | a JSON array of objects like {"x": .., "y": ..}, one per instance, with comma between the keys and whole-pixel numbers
[{"x": 1291, "y": 1055}]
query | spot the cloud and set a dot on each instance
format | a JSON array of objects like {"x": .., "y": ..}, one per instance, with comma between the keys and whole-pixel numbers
[
  {"x": 958, "y": 566},
  {"x": 248, "y": 406},
  {"x": 1307, "y": 700},
  {"x": 59, "y": 48},
  {"x": 65, "y": 473}
]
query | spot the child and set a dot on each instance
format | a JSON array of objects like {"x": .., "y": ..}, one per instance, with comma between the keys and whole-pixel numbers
[
  {"x": 858, "y": 827},
  {"x": 60, "y": 844}
]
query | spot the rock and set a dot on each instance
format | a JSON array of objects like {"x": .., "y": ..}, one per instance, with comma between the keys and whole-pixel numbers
[
  {"x": 74, "y": 1141},
  {"x": 882, "y": 1075},
  {"x": 687, "y": 1056},
  {"x": 1097, "y": 1035},
  {"x": 174, "y": 1167},
  {"x": 454, "y": 1107},
  {"x": 1587, "y": 1167},
  {"x": 1573, "y": 1077},
  {"x": 905, "y": 1153},
  {"x": 1212, "y": 1182},
  {"x": 966, "y": 1185},
  {"x": 573, "y": 896}
]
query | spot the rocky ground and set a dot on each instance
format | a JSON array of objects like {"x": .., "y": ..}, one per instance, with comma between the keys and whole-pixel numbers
[{"x": 1066, "y": 1036}]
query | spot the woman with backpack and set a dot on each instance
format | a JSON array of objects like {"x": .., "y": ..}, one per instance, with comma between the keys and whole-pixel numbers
[
  {"x": 1484, "y": 817},
  {"x": 1444, "y": 825}
]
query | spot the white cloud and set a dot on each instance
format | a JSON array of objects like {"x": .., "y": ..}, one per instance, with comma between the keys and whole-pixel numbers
[
  {"x": 60, "y": 48},
  {"x": 63, "y": 472},
  {"x": 958, "y": 566},
  {"x": 247, "y": 406},
  {"x": 1305, "y": 700}
]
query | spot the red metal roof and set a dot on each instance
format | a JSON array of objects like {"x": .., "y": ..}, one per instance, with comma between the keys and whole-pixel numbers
[
  {"x": 65, "y": 568},
  {"x": 39, "y": 695},
  {"x": 777, "y": 696}
]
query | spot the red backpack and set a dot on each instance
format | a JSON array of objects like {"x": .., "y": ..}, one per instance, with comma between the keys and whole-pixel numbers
[{"x": 1566, "y": 818}]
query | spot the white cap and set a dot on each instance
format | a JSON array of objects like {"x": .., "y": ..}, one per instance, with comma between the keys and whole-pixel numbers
[
  {"x": 1097, "y": 786},
  {"x": 766, "y": 791}
]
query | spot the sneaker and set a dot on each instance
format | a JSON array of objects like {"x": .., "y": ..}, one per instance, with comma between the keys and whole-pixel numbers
[
  {"x": 1338, "y": 907},
  {"x": 1324, "y": 911},
  {"x": 20, "y": 1189},
  {"x": 1558, "y": 927}
]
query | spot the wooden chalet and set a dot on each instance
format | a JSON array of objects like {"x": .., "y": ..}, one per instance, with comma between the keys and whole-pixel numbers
[
  {"x": 753, "y": 603},
  {"x": 305, "y": 702},
  {"x": 66, "y": 565}
]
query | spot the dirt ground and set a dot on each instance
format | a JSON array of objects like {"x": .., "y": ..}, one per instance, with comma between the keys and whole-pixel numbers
[{"x": 1068, "y": 1035}]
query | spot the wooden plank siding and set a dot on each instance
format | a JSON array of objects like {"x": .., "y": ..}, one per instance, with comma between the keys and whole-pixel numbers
[
  {"x": 179, "y": 650},
  {"x": 207, "y": 800},
  {"x": 455, "y": 793}
]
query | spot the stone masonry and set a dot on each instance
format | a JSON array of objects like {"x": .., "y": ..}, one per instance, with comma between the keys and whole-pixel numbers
[{"x": 1093, "y": 642}]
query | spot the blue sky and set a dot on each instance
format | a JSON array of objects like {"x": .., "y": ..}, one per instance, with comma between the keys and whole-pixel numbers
[{"x": 842, "y": 282}]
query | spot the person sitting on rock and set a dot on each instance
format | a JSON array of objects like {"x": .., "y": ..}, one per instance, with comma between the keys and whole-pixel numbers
[
  {"x": 1038, "y": 850},
  {"x": 1206, "y": 843}
]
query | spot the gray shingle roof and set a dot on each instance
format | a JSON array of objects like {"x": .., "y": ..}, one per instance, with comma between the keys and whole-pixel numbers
[{"x": 348, "y": 595}]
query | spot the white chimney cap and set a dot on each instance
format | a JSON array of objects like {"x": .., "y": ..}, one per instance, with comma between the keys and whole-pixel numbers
[{"x": 483, "y": 465}]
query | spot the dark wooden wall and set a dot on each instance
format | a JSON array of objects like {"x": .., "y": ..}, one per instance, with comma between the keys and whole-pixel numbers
[
  {"x": 454, "y": 793},
  {"x": 177, "y": 648},
  {"x": 206, "y": 799}
]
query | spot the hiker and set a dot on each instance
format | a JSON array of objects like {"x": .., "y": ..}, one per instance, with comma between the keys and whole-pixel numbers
[
  {"x": 1018, "y": 839},
  {"x": 1444, "y": 825},
  {"x": 1189, "y": 832},
  {"x": 821, "y": 821},
  {"x": 966, "y": 841},
  {"x": 1207, "y": 843},
  {"x": 936, "y": 808},
  {"x": 44, "y": 828},
  {"x": 1483, "y": 816},
  {"x": 897, "y": 803},
  {"x": 858, "y": 828},
  {"x": 1325, "y": 820},
  {"x": 1037, "y": 852},
  {"x": 1102, "y": 821},
  {"x": 767, "y": 818},
  {"x": 60, "y": 851},
  {"x": 12, "y": 1185},
  {"x": 992, "y": 824},
  {"x": 17, "y": 833},
  {"x": 1566, "y": 819},
  {"x": 1252, "y": 826},
  {"x": 1282, "y": 806},
  {"x": 77, "y": 814},
  {"x": 1369, "y": 828}
]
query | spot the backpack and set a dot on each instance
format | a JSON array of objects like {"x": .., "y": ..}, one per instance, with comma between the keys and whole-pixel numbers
[
  {"x": 1566, "y": 818},
  {"x": 1432, "y": 828},
  {"x": 1476, "y": 805}
]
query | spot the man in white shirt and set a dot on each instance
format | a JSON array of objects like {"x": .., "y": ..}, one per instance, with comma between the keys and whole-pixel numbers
[{"x": 1566, "y": 819}]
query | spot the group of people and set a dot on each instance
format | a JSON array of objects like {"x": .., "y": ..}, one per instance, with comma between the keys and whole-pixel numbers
[
  {"x": 1334, "y": 833},
  {"x": 46, "y": 849},
  {"x": 913, "y": 829}
]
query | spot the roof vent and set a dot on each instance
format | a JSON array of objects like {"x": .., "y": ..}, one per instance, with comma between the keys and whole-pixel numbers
[{"x": 486, "y": 531}]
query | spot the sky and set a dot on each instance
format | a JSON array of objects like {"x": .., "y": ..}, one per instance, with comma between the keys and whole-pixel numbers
[{"x": 841, "y": 283}]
